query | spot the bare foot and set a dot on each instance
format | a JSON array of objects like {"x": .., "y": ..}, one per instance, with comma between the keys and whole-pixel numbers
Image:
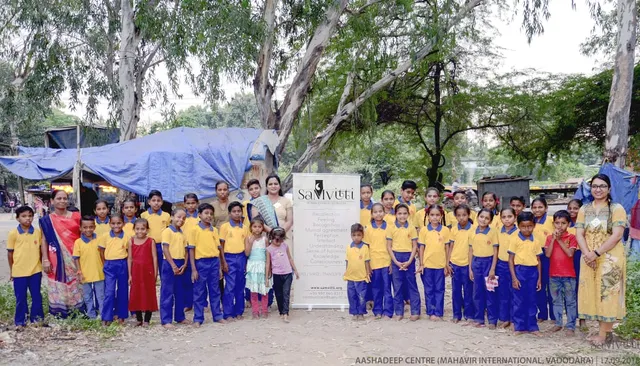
[
  {"x": 361, "y": 317},
  {"x": 121, "y": 321},
  {"x": 492, "y": 326},
  {"x": 146, "y": 325},
  {"x": 222, "y": 321},
  {"x": 536, "y": 333},
  {"x": 598, "y": 340},
  {"x": 378, "y": 317},
  {"x": 196, "y": 325},
  {"x": 478, "y": 325},
  {"x": 186, "y": 310},
  {"x": 433, "y": 318},
  {"x": 255, "y": 316},
  {"x": 20, "y": 328},
  {"x": 399, "y": 318},
  {"x": 518, "y": 333},
  {"x": 413, "y": 318},
  {"x": 467, "y": 323},
  {"x": 168, "y": 326},
  {"x": 541, "y": 320},
  {"x": 569, "y": 333},
  {"x": 230, "y": 320},
  {"x": 239, "y": 317},
  {"x": 185, "y": 322},
  {"x": 354, "y": 318},
  {"x": 505, "y": 325},
  {"x": 265, "y": 315},
  {"x": 555, "y": 328},
  {"x": 138, "y": 324},
  {"x": 455, "y": 321},
  {"x": 106, "y": 323},
  {"x": 285, "y": 318}
]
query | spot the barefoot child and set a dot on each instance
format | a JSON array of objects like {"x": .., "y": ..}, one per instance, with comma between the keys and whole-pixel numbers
[
  {"x": 256, "y": 250},
  {"x": 366, "y": 204},
  {"x": 459, "y": 198},
  {"x": 461, "y": 284},
  {"x": 191, "y": 207},
  {"x": 507, "y": 233},
  {"x": 129, "y": 216},
  {"x": 434, "y": 253},
  {"x": 402, "y": 241},
  {"x": 101, "y": 209},
  {"x": 559, "y": 248},
  {"x": 232, "y": 237},
  {"x": 524, "y": 264},
  {"x": 23, "y": 247},
  {"x": 143, "y": 271},
  {"x": 280, "y": 264},
  {"x": 483, "y": 258},
  {"x": 90, "y": 267},
  {"x": 158, "y": 221},
  {"x": 374, "y": 235},
  {"x": 206, "y": 264},
  {"x": 544, "y": 228},
  {"x": 172, "y": 276},
  {"x": 358, "y": 272},
  {"x": 114, "y": 252}
]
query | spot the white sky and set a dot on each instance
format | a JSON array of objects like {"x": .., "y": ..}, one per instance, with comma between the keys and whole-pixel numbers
[{"x": 556, "y": 51}]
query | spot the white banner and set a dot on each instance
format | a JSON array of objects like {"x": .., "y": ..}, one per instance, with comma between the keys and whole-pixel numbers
[{"x": 324, "y": 208}]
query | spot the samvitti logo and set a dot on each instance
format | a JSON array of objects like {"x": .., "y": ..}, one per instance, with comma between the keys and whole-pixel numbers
[
  {"x": 320, "y": 193},
  {"x": 319, "y": 187}
]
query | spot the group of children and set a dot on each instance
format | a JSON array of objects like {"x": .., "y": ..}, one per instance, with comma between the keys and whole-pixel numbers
[
  {"x": 513, "y": 266},
  {"x": 118, "y": 258}
]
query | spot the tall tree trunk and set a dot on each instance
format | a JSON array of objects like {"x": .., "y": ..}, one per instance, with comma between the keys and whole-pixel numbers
[
  {"x": 616, "y": 143},
  {"x": 127, "y": 73}
]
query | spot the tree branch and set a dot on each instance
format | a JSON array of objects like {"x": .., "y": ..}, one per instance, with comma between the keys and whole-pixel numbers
[{"x": 362, "y": 9}]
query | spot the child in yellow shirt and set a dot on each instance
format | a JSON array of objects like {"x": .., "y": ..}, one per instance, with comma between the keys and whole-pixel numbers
[
  {"x": 114, "y": 247},
  {"x": 90, "y": 268},
  {"x": 374, "y": 236},
  {"x": 366, "y": 192},
  {"x": 461, "y": 284},
  {"x": 101, "y": 209},
  {"x": 358, "y": 272},
  {"x": 483, "y": 257},
  {"x": 232, "y": 237},
  {"x": 174, "y": 250}
]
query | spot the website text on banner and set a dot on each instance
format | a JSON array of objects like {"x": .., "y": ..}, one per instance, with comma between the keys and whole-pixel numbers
[{"x": 324, "y": 208}]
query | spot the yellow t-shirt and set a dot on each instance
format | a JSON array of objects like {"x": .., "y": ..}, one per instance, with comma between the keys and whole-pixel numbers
[
  {"x": 496, "y": 223},
  {"x": 205, "y": 240},
  {"x": 376, "y": 237},
  {"x": 572, "y": 229},
  {"x": 450, "y": 218},
  {"x": 526, "y": 250},
  {"x": 483, "y": 242},
  {"x": 158, "y": 221},
  {"x": 25, "y": 246},
  {"x": 504, "y": 240},
  {"x": 357, "y": 256},
  {"x": 246, "y": 210},
  {"x": 435, "y": 241},
  {"x": 128, "y": 227},
  {"x": 461, "y": 239},
  {"x": 544, "y": 227},
  {"x": 102, "y": 227},
  {"x": 401, "y": 236},
  {"x": 232, "y": 235},
  {"x": 412, "y": 208},
  {"x": 115, "y": 246},
  {"x": 86, "y": 251},
  {"x": 365, "y": 213},
  {"x": 419, "y": 219},
  {"x": 390, "y": 218},
  {"x": 190, "y": 222},
  {"x": 176, "y": 241}
]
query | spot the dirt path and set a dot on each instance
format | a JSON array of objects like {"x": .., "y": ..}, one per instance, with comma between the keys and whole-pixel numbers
[{"x": 320, "y": 337}]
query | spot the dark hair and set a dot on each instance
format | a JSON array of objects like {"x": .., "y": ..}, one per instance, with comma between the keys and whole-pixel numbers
[
  {"x": 277, "y": 232},
  {"x": 155, "y": 193},
  {"x": 253, "y": 182},
  {"x": 518, "y": 198},
  {"x": 116, "y": 216},
  {"x": 367, "y": 185},
  {"x": 129, "y": 199},
  {"x": 218, "y": 183},
  {"x": 495, "y": 198},
  {"x": 22, "y": 209},
  {"x": 427, "y": 210},
  {"x": 88, "y": 218},
  {"x": 191, "y": 196},
  {"x": 266, "y": 183},
  {"x": 377, "y": 204},
  {"x": 463, "y": 207},
  {"x": 562, "y": 214},
  {"x": 401, "y": 205},
  {"x": 385, "y": 192},
  {"x": 490, "y": 212},
  {"x": 541, "y": 200},
  {"x": 205, "y": 206},
  {"x": 176, "y": 210},
  {"x": 606, "y": 179},
  {"x": 141, "y": 221},
  {"x": 508, "y": 209},
  {"x": 357, "y": 228},
  {"x": 576, "y": 201},
  {"x": 409, "y": 184},
  {"x": 432, "y": 189},
  {"x": 257, "y": 220},
  {"x": 526, "y": 216},
  {"x": 55, "y": 193},
  {"x": 235, "y": 204},
  {"x": 95, "y": 205},
  {"x": 460, "y": 191}
]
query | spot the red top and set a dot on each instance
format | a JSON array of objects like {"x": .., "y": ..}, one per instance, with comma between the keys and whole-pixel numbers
[{"x": 561, "y": 265}]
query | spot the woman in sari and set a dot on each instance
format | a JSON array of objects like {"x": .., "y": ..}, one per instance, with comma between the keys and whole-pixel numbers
[
  {"x": 275, "y": 209},
  {"x": 600, "y": 226},
  {"x": 60, "y": 229}
]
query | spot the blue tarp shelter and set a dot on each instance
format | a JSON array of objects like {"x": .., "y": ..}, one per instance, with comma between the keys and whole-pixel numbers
[
  {"x": 175, "y": 162},
  {"x": 624, "y": 187},
  {"x": 67, "y": 137}
]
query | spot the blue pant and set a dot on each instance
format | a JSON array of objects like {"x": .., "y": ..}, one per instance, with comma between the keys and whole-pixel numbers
[
  {"x": 116, "y": 290},
  {"x": 93, "y": 294},
  {"x": 171, "y": 293},
  {"x": 483, "y": 299},
  {"x": 356, "y": 293},
  {"x": 206, "y": 288},
  {"x": 188, "y": 288},
  {"x": 543, "y": 297},
  {"x": 234, "y": 283},
  {"x": 402, "y": 280},
  {"x": 524, "y": 306},
  {"x": 20, "y": 287},
  {"x": 462, "y": 293},
  {"x": 369, "y": 294},
  {"x": 381, "y": 290},
  {"x": 433, "y": 282},
  {"x": 563, "y": 291},
  {"x": 577, "y": 255},
  {"x": 504, "y": 289}
]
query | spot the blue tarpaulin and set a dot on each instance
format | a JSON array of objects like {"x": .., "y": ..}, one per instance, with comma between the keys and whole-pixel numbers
[
  {"x": 624, "y": 187},
  {"x": 175, "y": 162}
]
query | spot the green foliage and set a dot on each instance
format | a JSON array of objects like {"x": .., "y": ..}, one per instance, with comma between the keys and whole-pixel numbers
[{"x": 630, "y": 327}]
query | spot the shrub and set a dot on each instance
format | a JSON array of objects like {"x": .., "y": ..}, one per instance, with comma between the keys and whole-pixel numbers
[{"x": 630, "y": 327}]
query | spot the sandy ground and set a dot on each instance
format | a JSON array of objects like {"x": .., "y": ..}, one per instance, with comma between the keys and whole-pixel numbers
[{"x": 318, "y": 337}]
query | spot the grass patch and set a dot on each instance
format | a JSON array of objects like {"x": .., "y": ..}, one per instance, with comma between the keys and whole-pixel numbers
[{"x": 630, "y": 327}]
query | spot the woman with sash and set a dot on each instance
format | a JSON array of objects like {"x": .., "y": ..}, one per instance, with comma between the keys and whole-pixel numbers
[
  {"x": 275, "y": 209},
  {"x": 60, "y": 229}
]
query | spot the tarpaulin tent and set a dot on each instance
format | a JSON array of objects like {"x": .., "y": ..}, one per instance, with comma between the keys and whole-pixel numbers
[
  {"x": 175, "y": 162},
  {"x": 624, "y": 187},
  {"x": 67, "y": 137}
]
